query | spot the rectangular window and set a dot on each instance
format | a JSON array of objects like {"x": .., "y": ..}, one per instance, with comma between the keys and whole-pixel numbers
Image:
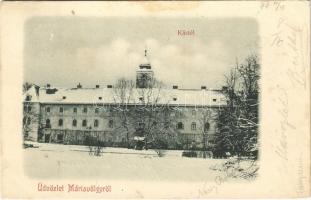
[
  {"x": 60, "y": 122},
  {"x": 61, "y": 109},
  {"x": 85, "y": 110},
  {"x": 74, "y": 110},
  {"x": 96, "y": 123},
  {"x": 110, "y": 124},
  {"x": 193, "y": 126},
  {"x": 47, "y": 109}
]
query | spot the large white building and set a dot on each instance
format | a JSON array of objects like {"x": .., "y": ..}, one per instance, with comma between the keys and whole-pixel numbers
[{"x": 71, "y": 115}]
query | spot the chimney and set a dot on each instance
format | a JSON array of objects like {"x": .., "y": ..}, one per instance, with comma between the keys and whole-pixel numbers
[
  {"x": 175, "y": 86},
  {"x": 97, "y": 86},
  {"x": 79, "y": 86},
  {"x": 37, "y": 88},
  {"x": 203, "y": 87},
  {"x": 109, "y": 86},
  {"x": 64, "y": 97},
  {"x": 224, "y": 88}
]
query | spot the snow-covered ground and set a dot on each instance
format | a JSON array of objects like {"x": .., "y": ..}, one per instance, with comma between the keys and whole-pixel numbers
[{"x": 72, "y": 161}]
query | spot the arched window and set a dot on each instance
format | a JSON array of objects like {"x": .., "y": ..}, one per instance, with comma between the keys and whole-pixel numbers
[
  {"x": 28, "y": 121},
  {"x": 61, "y": 109},
  {"x": 47, "y": 123},
  {"x": 180, "y": 125},
  {"x": 206, "y": 126},
  {"x": 110, "y": 124},
  {"x": 60, "y": 122},
  {"x": 95, "y": 123},
  {"x": 193, "y": 126},
  {"x": 96, "y": 110},
  {"x": 74, "y": 122},
  {"x": 84, "y": 123}
]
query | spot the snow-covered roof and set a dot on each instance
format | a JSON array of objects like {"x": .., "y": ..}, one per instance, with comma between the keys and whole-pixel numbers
[{"x": 138, "y": 96}]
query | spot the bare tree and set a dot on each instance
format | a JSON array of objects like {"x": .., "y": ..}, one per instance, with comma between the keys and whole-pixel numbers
[
  {"x": 123, "y": 96},
  {"x": 144, "y": 112},
  {"x": 238, "y": 121}
]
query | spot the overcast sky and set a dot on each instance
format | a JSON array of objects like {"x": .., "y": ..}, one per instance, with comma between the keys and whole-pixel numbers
[{"x": 65, "y": 51}]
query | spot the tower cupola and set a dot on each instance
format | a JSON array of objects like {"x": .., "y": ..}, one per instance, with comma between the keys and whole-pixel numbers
[{"x": 144, "y": 75}]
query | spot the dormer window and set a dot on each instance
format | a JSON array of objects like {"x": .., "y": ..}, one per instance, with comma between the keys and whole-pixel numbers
[
  {"x": 141, "y": 98},
  {"x": 100, "y": 98},
  {"x": 174, "y": 99},
  {"x": 214, "y": 100},
  {"x": 28, "y": 98}
]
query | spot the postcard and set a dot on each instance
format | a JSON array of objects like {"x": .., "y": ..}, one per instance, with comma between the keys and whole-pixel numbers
[{"x": 195, "y": 99}]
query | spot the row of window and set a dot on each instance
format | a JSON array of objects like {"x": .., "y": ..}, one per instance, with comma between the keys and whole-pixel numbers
[
  {"x": 75, "y": 122},
  {"x": 75, "y": 110},
  {"x": 85, "y": 110},
  {"x": 180, "y": 126}
]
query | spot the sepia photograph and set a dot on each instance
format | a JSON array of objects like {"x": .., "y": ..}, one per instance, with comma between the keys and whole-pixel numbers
[
  {"x": 151, "y": 98},
  {"x": 191, "y": 99}
]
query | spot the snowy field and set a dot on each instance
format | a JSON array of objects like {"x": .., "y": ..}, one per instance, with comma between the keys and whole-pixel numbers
[{"x": 53, "y": 161}]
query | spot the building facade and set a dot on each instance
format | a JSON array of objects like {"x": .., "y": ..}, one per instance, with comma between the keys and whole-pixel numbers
[{"x": 180, "y": 118}]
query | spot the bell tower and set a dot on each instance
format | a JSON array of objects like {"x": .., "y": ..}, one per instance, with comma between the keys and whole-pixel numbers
[{"x": 144, "y": 75}]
